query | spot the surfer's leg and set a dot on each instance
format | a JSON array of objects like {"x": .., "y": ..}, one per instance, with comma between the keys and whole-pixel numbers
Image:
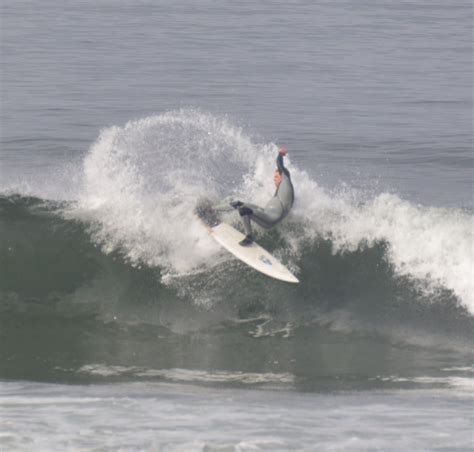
[
  {"x": 247, "y": 224},
  {"x": 262, "y": 221},
  {"x": 246, "y": 212},
  {"x": 265, "y": 218}
]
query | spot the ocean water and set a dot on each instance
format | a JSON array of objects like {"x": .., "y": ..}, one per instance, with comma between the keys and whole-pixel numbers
[{"x": 124, "y": 326}]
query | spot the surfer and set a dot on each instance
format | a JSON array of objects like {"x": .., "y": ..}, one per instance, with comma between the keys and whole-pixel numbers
[{"x": 276, "y": 209}]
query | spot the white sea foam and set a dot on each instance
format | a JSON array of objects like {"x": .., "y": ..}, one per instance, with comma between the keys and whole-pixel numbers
[
  {"x": 187, "y": 375},
  {"x": 142, "y": 181},
  {"x": 460, "y": 383},
  {"x": 459, "y": 369}
]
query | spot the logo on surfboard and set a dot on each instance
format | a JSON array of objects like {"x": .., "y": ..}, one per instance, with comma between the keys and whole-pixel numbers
[{"x": 265, "y": 260}]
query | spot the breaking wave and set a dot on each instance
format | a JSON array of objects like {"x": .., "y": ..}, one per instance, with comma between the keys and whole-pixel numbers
[
  {"x": 141, "y": 183},
  {"x": 131, "y": 248}
]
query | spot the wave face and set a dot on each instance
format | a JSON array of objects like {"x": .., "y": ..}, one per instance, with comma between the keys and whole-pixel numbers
[{"x": 128, "y": 260}]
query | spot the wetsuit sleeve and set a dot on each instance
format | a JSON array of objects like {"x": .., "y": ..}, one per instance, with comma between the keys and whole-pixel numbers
[
  {"x": 284, "y": 192},
  {"x": 281, "y": 166}
]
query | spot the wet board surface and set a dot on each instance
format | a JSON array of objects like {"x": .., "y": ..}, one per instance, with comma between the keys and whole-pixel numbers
[{"x": 253, "y": 255}]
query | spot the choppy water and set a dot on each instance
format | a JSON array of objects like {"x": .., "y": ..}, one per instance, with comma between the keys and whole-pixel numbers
[{"x": 117, "y": 309}]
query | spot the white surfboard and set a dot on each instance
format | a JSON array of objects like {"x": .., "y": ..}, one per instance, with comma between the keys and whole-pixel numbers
[{"x": 253, "y": 255}]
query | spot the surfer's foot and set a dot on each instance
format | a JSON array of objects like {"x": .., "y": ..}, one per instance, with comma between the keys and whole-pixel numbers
[{"x": 247, "y": 241}]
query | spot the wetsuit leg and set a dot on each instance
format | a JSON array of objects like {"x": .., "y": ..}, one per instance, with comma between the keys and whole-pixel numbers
[
  {"x": 247, "y": 224},
  {"x": 260, "y": 216}
]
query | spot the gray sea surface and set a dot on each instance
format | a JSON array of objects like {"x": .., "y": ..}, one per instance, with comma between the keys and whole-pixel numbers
[{"x": 366, "y": 94}]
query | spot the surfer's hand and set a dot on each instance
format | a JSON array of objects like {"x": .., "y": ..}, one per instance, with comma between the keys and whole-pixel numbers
[
  {"x": 283, "y": 151},
  {"x": 236, "y": 204}
]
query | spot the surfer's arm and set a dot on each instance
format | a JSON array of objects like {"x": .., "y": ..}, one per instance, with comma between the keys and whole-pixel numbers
[
  {"x": 285, "y": 192},
  {"x": 279, "y": 161}
]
